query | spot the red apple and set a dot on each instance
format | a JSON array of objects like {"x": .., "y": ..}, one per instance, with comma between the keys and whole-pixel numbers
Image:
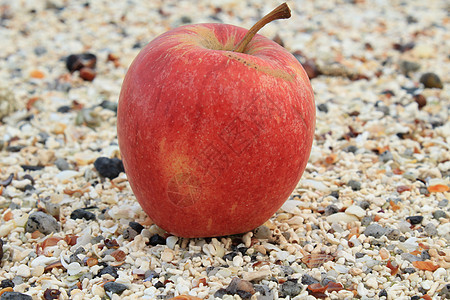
[{"x": 214, "y": 139}]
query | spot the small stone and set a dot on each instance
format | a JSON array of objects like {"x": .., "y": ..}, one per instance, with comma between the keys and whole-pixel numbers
[
  {"x": 238, "y": 284},
  {"x": 386, "y": 156},
  {"x": 407, "y": 66},
  {"x": 445, "y": 292},
  {"x": 364, "y": 204},
  {"x": 42, "y": 222},
  {"x": 431, "y": 80},
  {"x": 62, "y": 164},
  {"x": 410, "y": 257},
  {"x": 414, "y": 220},
  {"x": 129, "y": 234},
  {"x": 393, "y": 234},
  {"x": 431, "y": 229},
  {"x": 331, "y": 209},
  {"x": 108, "y": 270},
  {"x": 372, "y": 282},
  {"x": 356, "y": 211},
  {"x": 82, "y": 213},
  {"x": 115, "y": 287},
  {"x": 366, "y": 220},
  {"x": 290, "y": 288},
  {"x": 420, "y": 100},
  {"x": 443, "y": 203},
  {"x": 323, "y": 107},
  {"x": 24, "y": 271},
  {"x": 112, "y": 106},
  {"x": 76, "y": 62},
  {"x": 409, "y": 270},
  {"x": 382, "y": 293},
  {"x": 262, "y": 232},
  {"x": 355, "y": 185},
  {"x": 15, "y": 296},
  {"x": 265, "y": 293},
  {"x": 156, "y": 239},
  {"x": 375, "y": 230},
  {"x": 341, "y": 217},
  {"x": 6, "y": 283},
  {"x": 424, "y": 255},
  {"x": 286, "y": 270},
  {"x": 167, "y": 255},
  {"x": 109, "y": 167},
  {"x": 439, "y": 214},
  {"x": 87, "y": 74},
  {"x": 359, "y": 254}
]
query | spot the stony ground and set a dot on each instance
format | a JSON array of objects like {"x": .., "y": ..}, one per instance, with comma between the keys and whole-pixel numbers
[{"x": 369, "y": 219}]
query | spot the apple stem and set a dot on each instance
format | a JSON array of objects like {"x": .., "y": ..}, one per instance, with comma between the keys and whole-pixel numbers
[{"x": 280, "y": 12}]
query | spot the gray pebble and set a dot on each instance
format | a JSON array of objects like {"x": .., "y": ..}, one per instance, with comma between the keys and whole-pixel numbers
[
  {"x": 87, "y": 275},
  {"x": 364, "y": 204},
  {"x": 286, "y": 270},
  {"x": 445, "y": 292},
  {"x": 265, "y": 293},
  {"x": 262, "y": 232},
  {"x": 443, "y": 203},
  {"x": 62, "y": 164},
  {"x": 386, "y": 156},
  {"x": 331, "y": 209},
  {"x": 290, "y": 288},
  {"x": 359, "y": 254},
  {"x": 384, "y": 109},
  {"x": 431, "y": 229},
  {"x": 375, "y": 230},
  {"x": 366, "y": 220},
  {"x": 425, "y": 255},
  {"x": 211, "y": 271},
  {"x": 410, "y": 257},
  {"x": 15, "y": 296},
  {"x": 409, "y": 270},
  {"x": 351, "y": 149},
  {"x": 355, "y": 185},
  {"x": 42, "y": 222},
  {"x": 393, "y": 234},
  {"x": 407, "y": 67},
  {"x": 129, "y": 234},
  {"x": 308, "y": 279},
  {"x": 115, "y": 287},
  {"x": 439, "y": 214}
]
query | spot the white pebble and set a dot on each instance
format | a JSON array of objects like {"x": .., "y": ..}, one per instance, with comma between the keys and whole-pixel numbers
[
  {"x": 24, "y": 271},
  {"x": 371, "y": 282},
  {"x": 238, "y": 261},
  {"x": 171, "y": 241},
  {"x": 341, "y": 217},
  {"x": 362, "y": 291},
  {"x": 439, "y": 273},
  {"x": 356, "y": 211},
  {"x": 167, "y": 255}
]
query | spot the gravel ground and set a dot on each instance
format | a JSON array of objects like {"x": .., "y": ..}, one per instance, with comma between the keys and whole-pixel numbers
[{"x": 368, "y": 220}]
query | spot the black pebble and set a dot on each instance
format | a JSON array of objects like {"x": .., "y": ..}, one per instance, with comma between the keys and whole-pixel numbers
[
  {"x": 109, "y": 167},
  {"x": 364, "y": 204},
  {"x": 323, "y": 107},
  {"x": 114, "y": 287},
  {"x": 6, "y": 283},
  {"x": 63, "y": 109},
  {"x": 415, "y": 297},
  {"x": 355, "y": 185},
  {"x": 229, "y": 256},
  {"x": 75, "y": 62},
  {"x": 15, "y": 296},
  {"x": 108, "y": 270},
  {"x": 156, "y": 239},
  {"x": 414, "y": 220},
  {"x": 244, "y": 294},
  {"x": 335, "y": 194},
  {"x": 81, "y": 213},
  {"x": 159, "y": 284},
  {"x": 382, "y": 293},
  {"x": 136, "y": 226}
]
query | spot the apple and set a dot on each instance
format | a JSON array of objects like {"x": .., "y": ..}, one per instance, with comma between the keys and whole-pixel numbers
[{"x": 215, "y": 127}]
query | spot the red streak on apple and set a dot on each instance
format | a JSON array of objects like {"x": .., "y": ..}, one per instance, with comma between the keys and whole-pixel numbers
[{"x": 214, "y": 141}]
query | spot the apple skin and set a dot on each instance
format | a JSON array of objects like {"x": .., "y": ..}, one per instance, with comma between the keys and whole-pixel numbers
[{"x": 213, "y": 141}]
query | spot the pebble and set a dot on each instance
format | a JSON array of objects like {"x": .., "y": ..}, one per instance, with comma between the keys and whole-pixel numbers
[
  {"x": 108, "y": 270},
  {"x": 15, "y": 296},
  {"x": 445, "y": 291},
  {"x": 414, "y": 220},
  {"x": 82, "y": 213},
  {"x": 364, "y": 204},
  {"x": 167, "y": 255},
  {"x": 42, "y": 222},
  {"x": 24, "y": 271},
  {"x": 62, "y": 164},
  {"x": 323, "y": 107},
  {"x": 109, "y": 167},
  {"x": 265, "y": 293},
  {"x": 393, "y": 234},
  {"x": 443, "y": 203},
  {"x": 407, "y": 66},
  {"x": 431, "y": 80},
  {"x": 331, "y": 209},
  {"x": 437, "y": 214},
  {"x": 262, "y": 232},
  {"x": 431, "y": 229},
  {"x": 356, "y": 210},
  {"x": 6, "y": 283},
  {"x": 76, "y": 62},
  {"x": 238, "y": 284},
  {"x": 355, "y": 185},
  {"x": 115, "y": 287},
  {"x": 386, "y": 156},
  {"x": 156, "y": 239},
  {"x": 256, "y": 275},
  {"x": 421, "y": 100},
  {"x": 290, "y": 288},
  {"x": 375, "y": 230},
  {"x": 341, "y": 217},
  {"x": 366, "y": 220},
  {"x": 371, "y": 282},
  {"x": 410, "y": 257}
]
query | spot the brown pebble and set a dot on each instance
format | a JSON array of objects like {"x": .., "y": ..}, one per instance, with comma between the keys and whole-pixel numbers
[
  {"x": 87, "y": 74},
  {"x": 277, "y": 39},
  {"x": 431, "y": 80},
  {"x": 311, "y": 68},
  {"x": 420, "y": 100}
]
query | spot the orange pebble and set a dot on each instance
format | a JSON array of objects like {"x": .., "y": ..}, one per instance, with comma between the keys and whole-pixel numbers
[
  {"x": 438, "y": 188},
  {"x": 37, "y": 74}
]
